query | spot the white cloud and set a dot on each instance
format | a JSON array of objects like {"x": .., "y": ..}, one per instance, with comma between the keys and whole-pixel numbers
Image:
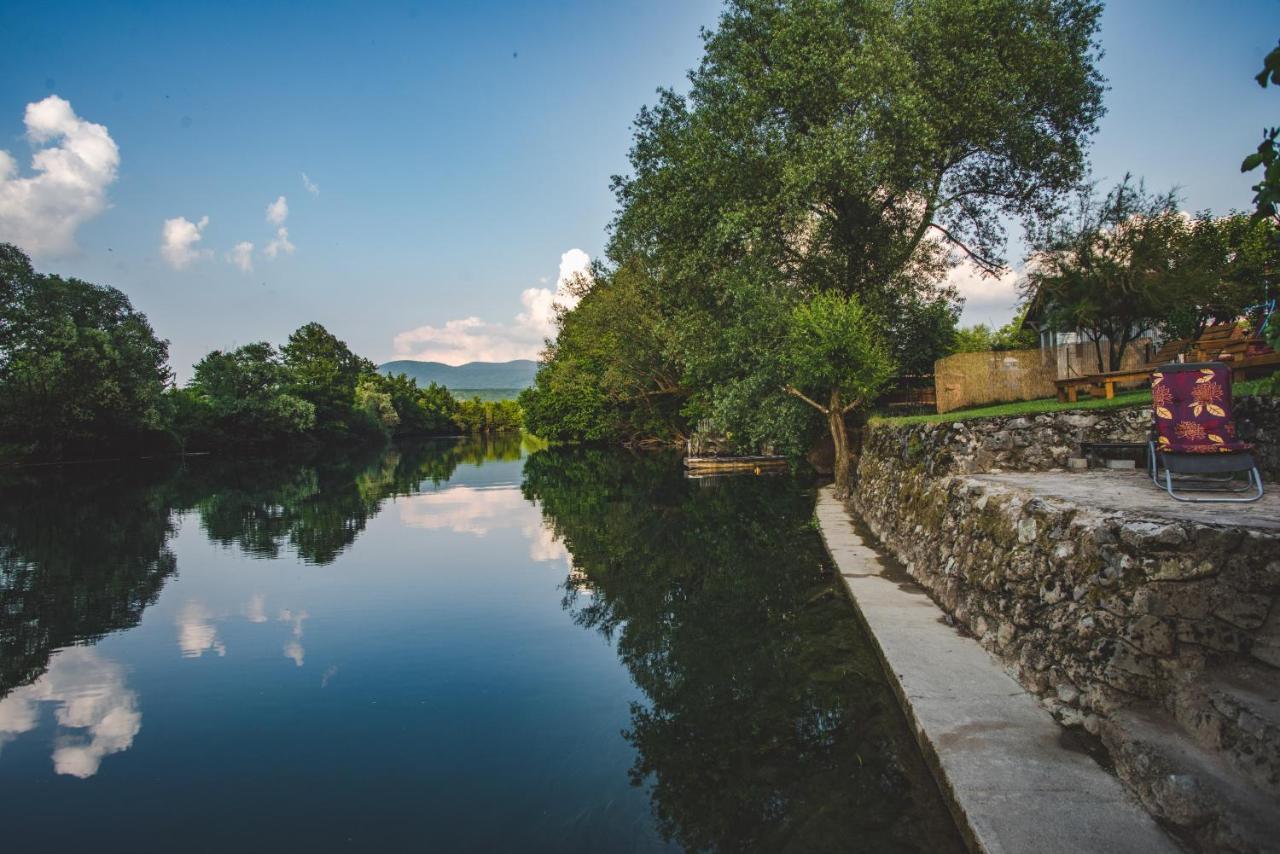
[
  {"x": 280, "y": 243},
  {"x": 293, "y": 649},
  {"x": 480, "y": 510},
  {"x": 41, "y": 213},
  {"x": 987, "y": 299},
  {"x": 242, "y": 256},
  {"x": 180, "y": 236},
  {"x": 278, "y": 211},
  {"x": 197, "y": 632},
  {"x": 464, "y": 509},
  {"x": 96, "y": 714},
  {"x": 544, "y": 544},
  {"x": 471, "y": 339},
  {"x": 312, "y": 187},
  {"x": 255, "y": 610}
]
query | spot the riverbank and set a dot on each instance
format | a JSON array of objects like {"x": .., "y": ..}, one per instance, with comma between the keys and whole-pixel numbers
[
  {"x": 1148, "y": 623},
  {"x": 1012, "y": 782}
]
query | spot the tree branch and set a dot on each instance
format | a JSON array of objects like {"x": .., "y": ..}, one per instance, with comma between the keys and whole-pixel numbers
[
  {"x": 795, "y": 392},
  {"x": 987, "y": 265},
  {"x": 926, "y": 219},
  {"x": 851, "y": 405}
]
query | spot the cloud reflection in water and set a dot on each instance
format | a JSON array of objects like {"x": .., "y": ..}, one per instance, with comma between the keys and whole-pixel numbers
[{"x": 96, "y": 714}]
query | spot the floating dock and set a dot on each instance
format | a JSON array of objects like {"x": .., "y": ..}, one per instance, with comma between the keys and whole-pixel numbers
[{"x": 707, "y": 466}]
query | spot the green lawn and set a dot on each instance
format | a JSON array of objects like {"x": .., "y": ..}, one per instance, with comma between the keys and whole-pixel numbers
[{"x": 1141, "y": 397}]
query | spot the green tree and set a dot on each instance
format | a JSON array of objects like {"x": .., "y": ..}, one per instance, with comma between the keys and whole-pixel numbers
[
  {"x": 80, "y": 369},
  {"x": 438, "y": 407},
  {"x": 834, "y": 354},
  {"x": 852, "y": 148},
  {"x": 974, "y": 339},
  {"x": 322, "y": 370},
  {"x": 1113, "y": 268},
  {"x": 1266, "y": 197},
  {"x": 376, "y": 402},
  {"x": 1014, "y": 335},
  {"x": 245, "y": 392},
  {"x": 1228, "y": 271},
  {"x": 418, "y": 411},
  {"x": 609, "y": 375}
]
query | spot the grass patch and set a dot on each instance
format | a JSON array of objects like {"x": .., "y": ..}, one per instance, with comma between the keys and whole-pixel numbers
[{"x": 1140, "y": 397}]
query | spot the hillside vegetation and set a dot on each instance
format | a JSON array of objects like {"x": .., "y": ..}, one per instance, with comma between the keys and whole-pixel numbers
[{"x": 472, "y": 377}]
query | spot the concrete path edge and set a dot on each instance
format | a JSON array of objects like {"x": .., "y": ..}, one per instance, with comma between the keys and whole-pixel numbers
[{"x": 1004, "y": 766}]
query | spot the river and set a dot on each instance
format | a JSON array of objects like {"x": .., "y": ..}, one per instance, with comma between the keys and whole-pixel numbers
[{"x": 450, "y": 645}]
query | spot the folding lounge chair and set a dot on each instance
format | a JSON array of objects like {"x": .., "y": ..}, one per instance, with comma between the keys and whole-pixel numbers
[{"x": 1194, "y": 440}]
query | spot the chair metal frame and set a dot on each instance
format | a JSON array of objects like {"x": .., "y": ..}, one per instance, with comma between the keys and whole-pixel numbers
[
  {"x": 1204, "y": 483},
  {"x": 1224, "y": 481}
]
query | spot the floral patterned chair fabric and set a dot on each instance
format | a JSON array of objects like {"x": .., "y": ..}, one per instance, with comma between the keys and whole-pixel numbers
[
  {"x": 1194, "y": 444},
  {"x": 1192, "y": 410}
]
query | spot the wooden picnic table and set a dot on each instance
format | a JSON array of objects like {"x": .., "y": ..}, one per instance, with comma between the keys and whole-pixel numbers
[{"x": 1069, "y": 388}]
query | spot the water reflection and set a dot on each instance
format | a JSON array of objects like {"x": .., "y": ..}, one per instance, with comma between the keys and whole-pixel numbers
[
  {"x": 81, "y": 555},
  {"x": 768, "y": 724},
  {"x": 96, "y": 713},
  {"x": 84, "y": 549},
  {"x": 480, "y": 511},
  {"x": 197, "y": 633},
  {"x": 434, "y": 671},
  {"x": 293, "y": 649}
]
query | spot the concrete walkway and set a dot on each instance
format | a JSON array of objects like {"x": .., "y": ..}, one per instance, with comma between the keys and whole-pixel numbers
[{"x": 1001, "y": 760}]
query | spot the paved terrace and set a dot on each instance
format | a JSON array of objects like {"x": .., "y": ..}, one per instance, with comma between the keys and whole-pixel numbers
[
  {"x": 1133, "y": 492},
  {"x": 1007, "y": 769}
]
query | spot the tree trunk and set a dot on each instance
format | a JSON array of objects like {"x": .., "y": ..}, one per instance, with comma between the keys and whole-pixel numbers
[
  {"x": 840, "y": 440},
  {"x": 834, "y": 412},
  {"x": 1097, "y": 350}
]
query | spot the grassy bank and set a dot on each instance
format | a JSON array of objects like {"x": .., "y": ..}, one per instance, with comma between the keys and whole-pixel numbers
[{"x": 1140, "y": 397}]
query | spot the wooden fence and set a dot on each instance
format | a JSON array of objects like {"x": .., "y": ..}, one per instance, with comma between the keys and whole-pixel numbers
[{"x": 973, "y": 379}]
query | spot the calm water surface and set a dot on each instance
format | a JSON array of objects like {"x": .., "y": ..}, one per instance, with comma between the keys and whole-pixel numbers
[{"x": 446, "y": 646}]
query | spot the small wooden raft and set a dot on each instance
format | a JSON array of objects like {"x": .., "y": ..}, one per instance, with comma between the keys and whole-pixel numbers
[{"x": 700, "y": 466}]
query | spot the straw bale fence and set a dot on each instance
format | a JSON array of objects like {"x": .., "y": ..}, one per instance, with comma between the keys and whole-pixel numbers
[{"x": 973, "y": 379}]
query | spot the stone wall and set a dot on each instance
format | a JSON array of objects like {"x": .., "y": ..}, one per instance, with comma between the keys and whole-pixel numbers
[
  {"x": 1258, "y": 421},
  {"x": 1095, "y": 611},
  {"x": 1010, "y": 443},
  {"x": 1044, "y": 442}
]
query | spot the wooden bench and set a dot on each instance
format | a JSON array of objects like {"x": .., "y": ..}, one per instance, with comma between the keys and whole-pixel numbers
[
  {"x": 1217, "y": 340},
  {"x": 1240, "y": 367},
  {"x": 1069, "y": 388}
]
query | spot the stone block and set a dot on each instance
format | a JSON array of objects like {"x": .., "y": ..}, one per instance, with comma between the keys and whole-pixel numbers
[{"x": 1151, "y": 635}]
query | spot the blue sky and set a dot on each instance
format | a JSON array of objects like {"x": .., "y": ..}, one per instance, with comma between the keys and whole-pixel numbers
[{"x": 461, "y": 151}]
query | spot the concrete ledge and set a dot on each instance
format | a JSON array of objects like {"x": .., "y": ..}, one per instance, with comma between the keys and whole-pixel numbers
[{"x": 1004, "y": 765}]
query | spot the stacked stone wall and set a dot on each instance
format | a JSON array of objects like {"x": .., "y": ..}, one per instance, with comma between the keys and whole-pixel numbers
[
  {"x": 1045, "y": 442},
  {"x": 1101, "y": 613}
]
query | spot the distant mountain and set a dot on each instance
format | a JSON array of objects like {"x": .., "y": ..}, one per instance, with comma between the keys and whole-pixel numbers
[{"x": 516, "y": 374}]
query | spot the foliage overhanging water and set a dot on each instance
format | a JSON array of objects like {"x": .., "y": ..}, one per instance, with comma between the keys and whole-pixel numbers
[{"x": 388, "y": 650}]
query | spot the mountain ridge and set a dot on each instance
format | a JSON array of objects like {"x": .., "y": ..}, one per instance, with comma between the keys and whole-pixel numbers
[{"x": 515, "y": 374}]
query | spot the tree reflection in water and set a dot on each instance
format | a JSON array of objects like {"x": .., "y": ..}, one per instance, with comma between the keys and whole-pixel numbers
[
  {"x": 82, "y": 552},
  {"x": 84, "y": 548},
  {"x": 769, "y": 725}
]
